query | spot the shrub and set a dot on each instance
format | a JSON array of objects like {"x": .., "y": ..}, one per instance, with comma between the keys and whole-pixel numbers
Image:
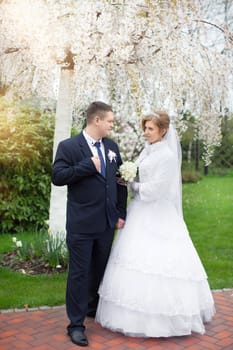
[
  {"x": 26, "y": 141},
  {"x": 190, "y": 176}
]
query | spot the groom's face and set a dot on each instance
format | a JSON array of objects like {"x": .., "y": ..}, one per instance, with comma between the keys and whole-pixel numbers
[{"x": 105, "y": 124}]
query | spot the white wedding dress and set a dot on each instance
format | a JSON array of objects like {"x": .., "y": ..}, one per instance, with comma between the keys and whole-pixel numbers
[{"x": 154, "y": 284}]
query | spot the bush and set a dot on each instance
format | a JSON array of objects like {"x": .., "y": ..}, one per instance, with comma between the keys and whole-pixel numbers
[
  {"x": 26, "y": 142},
  {"x": 190, "y": 176}
]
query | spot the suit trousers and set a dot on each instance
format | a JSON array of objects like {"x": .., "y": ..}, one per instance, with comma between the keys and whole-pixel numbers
[{"x": 88, "y": 256}]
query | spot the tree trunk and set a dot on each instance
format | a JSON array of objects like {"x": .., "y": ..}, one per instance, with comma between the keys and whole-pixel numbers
[
  {"x": 189, "y": 155},
  {"x": 63, "y": 123},
  {"x": 206, "y": 169},
  {"x": 197, "y": 154}
]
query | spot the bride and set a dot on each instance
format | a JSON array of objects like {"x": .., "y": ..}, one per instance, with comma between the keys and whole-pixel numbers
[{"x": 154, "y": 284}]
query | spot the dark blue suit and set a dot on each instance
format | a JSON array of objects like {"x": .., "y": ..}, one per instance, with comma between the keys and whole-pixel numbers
[{"x": 94, "y": 205}]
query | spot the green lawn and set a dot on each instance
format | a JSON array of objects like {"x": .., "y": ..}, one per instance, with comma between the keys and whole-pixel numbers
[
  {"x": 18, "y": 290},
  {"x": 208, "y": 212}
]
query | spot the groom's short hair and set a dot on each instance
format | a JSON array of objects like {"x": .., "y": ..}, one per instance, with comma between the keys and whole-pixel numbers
[{"x": 97, "y": 108}]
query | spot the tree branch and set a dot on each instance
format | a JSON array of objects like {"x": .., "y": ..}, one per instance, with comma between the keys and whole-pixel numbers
[
  {"x": 69, "y": 60},
  {"x": 230, "y": 36},
  {"x": 12, "y": 49}
]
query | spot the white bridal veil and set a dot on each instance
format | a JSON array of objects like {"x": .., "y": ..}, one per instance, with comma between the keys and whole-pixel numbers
[{"x": 174, "y": 144}]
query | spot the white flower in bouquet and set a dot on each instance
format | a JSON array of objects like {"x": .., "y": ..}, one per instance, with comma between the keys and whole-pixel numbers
[{"x": 128, "y": 171}]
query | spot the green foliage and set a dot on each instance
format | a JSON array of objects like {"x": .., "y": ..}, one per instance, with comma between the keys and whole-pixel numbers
[
  {"x": 223, "y": 156},
  {"x": 49, "y": 249},
  {"x": 190, "y": 176},
  {"x": 192, "y": 150},
  {"x": 26, "y": 141},
  {"x": 75, "y": 130},
  {"x": 55, "y": 252}
]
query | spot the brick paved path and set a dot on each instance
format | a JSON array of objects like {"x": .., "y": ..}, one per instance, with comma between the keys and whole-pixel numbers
[{"x": 44, "y": 329}]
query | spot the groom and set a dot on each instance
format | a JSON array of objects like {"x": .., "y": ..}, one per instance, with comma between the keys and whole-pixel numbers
[{"x": 96, "y": 205}]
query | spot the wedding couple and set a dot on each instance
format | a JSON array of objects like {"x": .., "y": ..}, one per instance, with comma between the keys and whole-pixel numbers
[{"x": 153, "y": 283}]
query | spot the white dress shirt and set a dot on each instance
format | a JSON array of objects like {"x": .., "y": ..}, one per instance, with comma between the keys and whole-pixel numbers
[{"x": 91, "y": 142}]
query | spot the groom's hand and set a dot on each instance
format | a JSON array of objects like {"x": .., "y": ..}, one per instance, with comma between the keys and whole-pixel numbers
[
  {"x": 96, "y": 162},
  {"x": 120, "y": 224}
]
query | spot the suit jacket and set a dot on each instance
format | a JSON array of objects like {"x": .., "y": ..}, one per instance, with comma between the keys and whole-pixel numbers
[{"x": 93, "y": 201}]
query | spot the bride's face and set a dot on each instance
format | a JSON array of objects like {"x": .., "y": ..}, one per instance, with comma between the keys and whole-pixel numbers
[{"x": 152, "y": 132}]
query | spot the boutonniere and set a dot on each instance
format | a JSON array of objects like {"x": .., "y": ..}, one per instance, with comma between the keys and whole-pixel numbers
[{"x": 111, "y": 156}]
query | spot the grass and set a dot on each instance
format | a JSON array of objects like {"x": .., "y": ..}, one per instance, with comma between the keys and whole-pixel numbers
[
  {"x": 18, "y": 290},
  {"x": 208, "y": 208}
]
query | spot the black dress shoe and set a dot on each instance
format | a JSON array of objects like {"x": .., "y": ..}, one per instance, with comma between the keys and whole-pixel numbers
[{"x": 78, "y": 337}]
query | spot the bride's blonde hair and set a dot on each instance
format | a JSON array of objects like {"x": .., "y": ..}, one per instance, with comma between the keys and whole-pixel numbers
[{"x": 159, "y": 118}]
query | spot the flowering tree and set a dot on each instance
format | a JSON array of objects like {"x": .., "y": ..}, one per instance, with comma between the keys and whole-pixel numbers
[
  {"x": 138, "y": 56},
  {"x": 170, "y": 58}
]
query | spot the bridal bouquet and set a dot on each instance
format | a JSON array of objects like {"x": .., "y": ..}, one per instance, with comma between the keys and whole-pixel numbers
[{"x": 128, "y": 171}]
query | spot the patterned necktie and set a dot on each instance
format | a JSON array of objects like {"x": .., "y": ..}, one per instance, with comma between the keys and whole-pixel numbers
[{"x": 102, "y": 164}]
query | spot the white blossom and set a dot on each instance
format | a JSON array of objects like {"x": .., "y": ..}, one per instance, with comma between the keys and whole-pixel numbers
[
  {"x": 138, "y": 56},
  {"x": 128, "y": 171},
  {"x": 19, "y": 244}
]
